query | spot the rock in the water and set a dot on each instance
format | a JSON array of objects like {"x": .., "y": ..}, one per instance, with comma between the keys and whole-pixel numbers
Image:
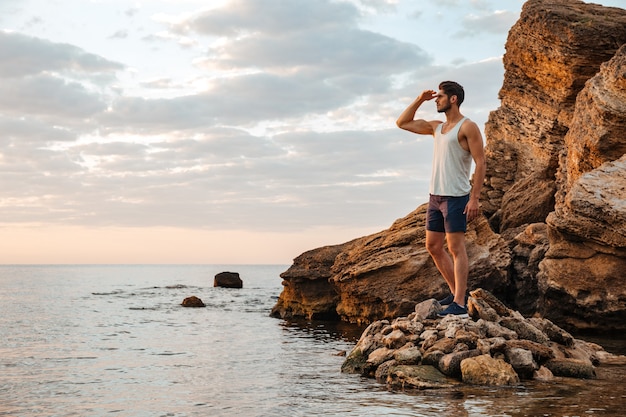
[
  {"x": 522, "y": 362},
  {"x": 228, "y": 280},
  {"x": 476, "y": 352},
  {"x": 193, "y": 301},
  {"x": 450, "y": 364},
  {"x": 573, "y": 368},
  {"x": 417, "y": 377}
]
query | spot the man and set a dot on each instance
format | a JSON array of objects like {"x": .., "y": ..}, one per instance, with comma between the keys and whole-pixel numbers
[{"x": 453, "y": 200}]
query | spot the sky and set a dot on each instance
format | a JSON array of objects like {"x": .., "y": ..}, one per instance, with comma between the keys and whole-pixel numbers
[{"x": 225, "y": 132}]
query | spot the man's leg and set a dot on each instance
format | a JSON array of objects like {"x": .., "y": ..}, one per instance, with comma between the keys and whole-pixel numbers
[
  {"x": 435, "y": 246},
  {"x": 456, "y": 246}
]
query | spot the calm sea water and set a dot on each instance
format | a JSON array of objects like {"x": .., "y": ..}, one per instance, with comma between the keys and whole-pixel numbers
[{"x": 114, "y": 341}]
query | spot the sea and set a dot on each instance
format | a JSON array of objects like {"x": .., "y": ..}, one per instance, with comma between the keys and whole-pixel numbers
[{"x": 114, "y": 340}]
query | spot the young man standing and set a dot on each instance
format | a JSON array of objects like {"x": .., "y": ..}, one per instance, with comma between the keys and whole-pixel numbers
[{"x": 453, "y": 200}]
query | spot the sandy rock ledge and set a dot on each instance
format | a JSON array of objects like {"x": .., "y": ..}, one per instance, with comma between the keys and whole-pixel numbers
[{"x": 494, "y": 346}]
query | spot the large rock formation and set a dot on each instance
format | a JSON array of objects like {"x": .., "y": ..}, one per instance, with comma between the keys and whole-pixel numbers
[
  {"x": 384, "y": 275},
  {"x": 554, "y": 48},
  {"x": 554, "y": 196}
]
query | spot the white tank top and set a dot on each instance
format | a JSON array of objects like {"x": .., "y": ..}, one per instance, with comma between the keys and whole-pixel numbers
[{"x": 451, "y": 164}]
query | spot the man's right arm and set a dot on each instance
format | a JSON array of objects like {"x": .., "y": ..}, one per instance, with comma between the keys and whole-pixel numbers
[{"x": 406, "y": 120}]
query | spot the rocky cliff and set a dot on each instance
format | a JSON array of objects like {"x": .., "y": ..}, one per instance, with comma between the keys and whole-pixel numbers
[{"x": 553, "y": 240}]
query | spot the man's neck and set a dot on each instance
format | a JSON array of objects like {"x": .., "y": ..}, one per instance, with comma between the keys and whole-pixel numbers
[{"x": 453, "y": 115}]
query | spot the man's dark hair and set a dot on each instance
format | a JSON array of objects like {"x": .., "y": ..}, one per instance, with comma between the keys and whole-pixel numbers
[{"x": 452, "y": 88}]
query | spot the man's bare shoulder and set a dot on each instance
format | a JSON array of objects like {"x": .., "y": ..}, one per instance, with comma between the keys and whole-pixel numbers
[{"x": 469, "y": 126}]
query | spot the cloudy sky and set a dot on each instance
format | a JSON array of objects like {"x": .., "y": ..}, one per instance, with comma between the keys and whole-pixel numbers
[{"x": 235, "y": 131}]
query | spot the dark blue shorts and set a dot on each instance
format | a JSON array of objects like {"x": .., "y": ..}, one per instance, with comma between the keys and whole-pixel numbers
[{"x": 445, "y": 214}]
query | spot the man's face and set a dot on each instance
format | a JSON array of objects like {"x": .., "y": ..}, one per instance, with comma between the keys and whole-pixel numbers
[{"x": 443, "y": 102}]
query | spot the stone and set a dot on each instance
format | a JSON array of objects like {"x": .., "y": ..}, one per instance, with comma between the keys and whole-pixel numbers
[
  {"x": 408, "y": 326},
  {"x": 450, "y": 364},
  {"x": 375, "y": 359},
  {"x": 582, "y": 350},
  {"x": 520, "y": 352},
  {"x": 554, "y": 332},
  {"x": 395, "y": 339},
  {"x": 417, "y": 377},
  {"x": 543, "y": 374},
  {"x": 382, "y": 372},
  {"x": 355, "y": 363},
  {"x": 408, "y": 355},
  {"x": 427, "y": 310},
  {"x": 228, "y": 280},
  {"x": 477, "y": 308},
  {"x": 497, "y": 330},
  {"x": 524, "y": 329},
  {"x": 467, "y": 338},
  {"x": 572, "y": 368},
  {"x": 492, "y": 301},
  {"x": 432, "y": 357},
  {"x": 541, "y": 353},
  {"x": 446, "y": 345},
  {"x": 485, "y": 370},
  {"x": 193, "y": 301},
  {"x": 522, "y": 362}
]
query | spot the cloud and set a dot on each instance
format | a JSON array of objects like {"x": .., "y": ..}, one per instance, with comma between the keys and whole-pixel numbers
[
  {"x": 316, "y": 63},
  {"x": 498, "y": 22},
  {"x": 119, "y": 34},
  {"x": 49, "y": 96},
  {"x": 272, "y": 16},
  {"x": 22, "y": 55},
  {"x": 286, "y": 122}
]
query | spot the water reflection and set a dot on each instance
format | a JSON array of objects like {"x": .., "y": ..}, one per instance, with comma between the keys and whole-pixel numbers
[{"x": 324, "y": 330}]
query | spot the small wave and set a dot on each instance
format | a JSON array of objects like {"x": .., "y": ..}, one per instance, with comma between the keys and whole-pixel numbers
[
  {"x": 118, "y": 292},
  {"x": 176, "y": 287}
]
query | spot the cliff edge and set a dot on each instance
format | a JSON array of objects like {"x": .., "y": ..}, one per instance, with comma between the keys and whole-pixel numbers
[{"x": 553, "y": 239}]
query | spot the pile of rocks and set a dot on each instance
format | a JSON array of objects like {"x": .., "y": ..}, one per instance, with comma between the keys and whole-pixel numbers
[{"x": 494, "y": 346}]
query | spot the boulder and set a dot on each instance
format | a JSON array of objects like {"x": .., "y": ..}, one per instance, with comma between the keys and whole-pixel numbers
[
  {"x": 192, "y": 301},
  {"x": 228, "y": 280},
  {"x": 450, "y": 364},
  {"x": 417, "y": 377},
  {"x": 522, "y": 362},
  {"x": 408, "y": 355},
  {"x": 573, "y": 368},
  {"x": 427, "y": 309},
  {"x": 485, "y": 370}
]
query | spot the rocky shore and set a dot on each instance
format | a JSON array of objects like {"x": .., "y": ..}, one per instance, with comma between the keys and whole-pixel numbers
[{"x": 495, "y": 346}]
